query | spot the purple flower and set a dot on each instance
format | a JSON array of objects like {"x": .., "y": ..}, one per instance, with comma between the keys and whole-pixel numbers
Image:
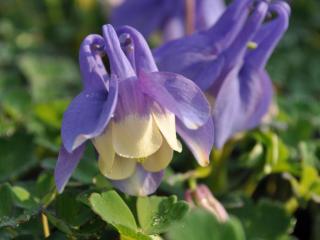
[
  {"x": 131, "y": 114},
  {"x": 174, "y": 18},
  {"x": 228, "y": 62}
]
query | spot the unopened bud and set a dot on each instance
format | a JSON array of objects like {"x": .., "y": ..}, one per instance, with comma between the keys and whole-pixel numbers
[{"x": 203, "y": 197}]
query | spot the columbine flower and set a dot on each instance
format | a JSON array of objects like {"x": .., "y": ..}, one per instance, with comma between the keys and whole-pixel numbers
[
  {"x": 174, "y": 18},
  {"x": 131, "y": 115},
  {"x": 228, "y": 62}
]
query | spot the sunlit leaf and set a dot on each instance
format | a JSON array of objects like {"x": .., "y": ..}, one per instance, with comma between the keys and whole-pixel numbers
[
  {"x": 112, "y": 209},
  {"x": 156, "y": 214}
]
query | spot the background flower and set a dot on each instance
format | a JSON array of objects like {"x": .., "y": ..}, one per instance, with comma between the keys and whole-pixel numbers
[
  {"x": 222, "y": 63},
  {"x": 173, "y": 19}
]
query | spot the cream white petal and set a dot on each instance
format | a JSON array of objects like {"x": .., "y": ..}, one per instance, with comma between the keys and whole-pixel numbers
[
  {"x": 103, "y": 145},
  {"x": 122, "y": 168},
  {"x": 166, "y": 122},
  {"x": 136, "y": 136},
  {"x": 159, "y": 160}
]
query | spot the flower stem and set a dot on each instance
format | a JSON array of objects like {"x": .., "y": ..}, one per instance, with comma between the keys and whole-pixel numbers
[
  {"x": 192, "y": 183},
  {"x": 190, "y": 16}
]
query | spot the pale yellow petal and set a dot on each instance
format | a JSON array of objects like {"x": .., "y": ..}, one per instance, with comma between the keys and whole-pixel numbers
[
  {"x": 166, "y": 122},
  {"x": 103, "y": 145},
  {"x": 136, "y": 136},
  {"x": 159, "y": 160},
  {"x": 122, "y": 168}
]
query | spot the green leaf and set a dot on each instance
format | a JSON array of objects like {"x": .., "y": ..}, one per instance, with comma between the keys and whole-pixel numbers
[
  {"x": 233, "y": 229},
  {"x": 112, "y": 209},
  {"x": 16, "y": 155},
  {"x": 308, "y": 178},
  {"x": 129, "y": 234},
  {"x": 51, "y": 112},
  {"x": 44, "y": 183},
  {"x": 15, "y": 221},
  {"x": 308, "y": 152},
  {"x": 156, "y": 214},
  {"x": 23, "y": 198},
  {"x": 6, "y": 200},
  {"x": 7, "y": 126},
  {"x": 309, "y": 185},
  {"x": 202, "y": 225},
  {"x": 50, "y": 77},
  {"x": 12, "y": 199},
  {"x": 255, "y": 217},
  {"x": 58, "y": 223},
  {"x": 277, "y": 154},
  {"x": 72, "y": 211},
  {"x": 16, "y": 102},
  {"x": 45, "y": 188}
]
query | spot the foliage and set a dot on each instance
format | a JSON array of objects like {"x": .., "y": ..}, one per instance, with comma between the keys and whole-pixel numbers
[{"x": 267, "y": 179}]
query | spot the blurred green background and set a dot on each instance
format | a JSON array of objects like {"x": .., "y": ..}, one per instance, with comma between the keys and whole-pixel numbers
[{"x": 268, "y": 178}]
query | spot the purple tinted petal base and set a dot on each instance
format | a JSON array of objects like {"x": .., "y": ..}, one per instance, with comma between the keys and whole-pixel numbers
[
  {"x": 141, "y": 183},
  {"x": 65, "y": 165}
]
